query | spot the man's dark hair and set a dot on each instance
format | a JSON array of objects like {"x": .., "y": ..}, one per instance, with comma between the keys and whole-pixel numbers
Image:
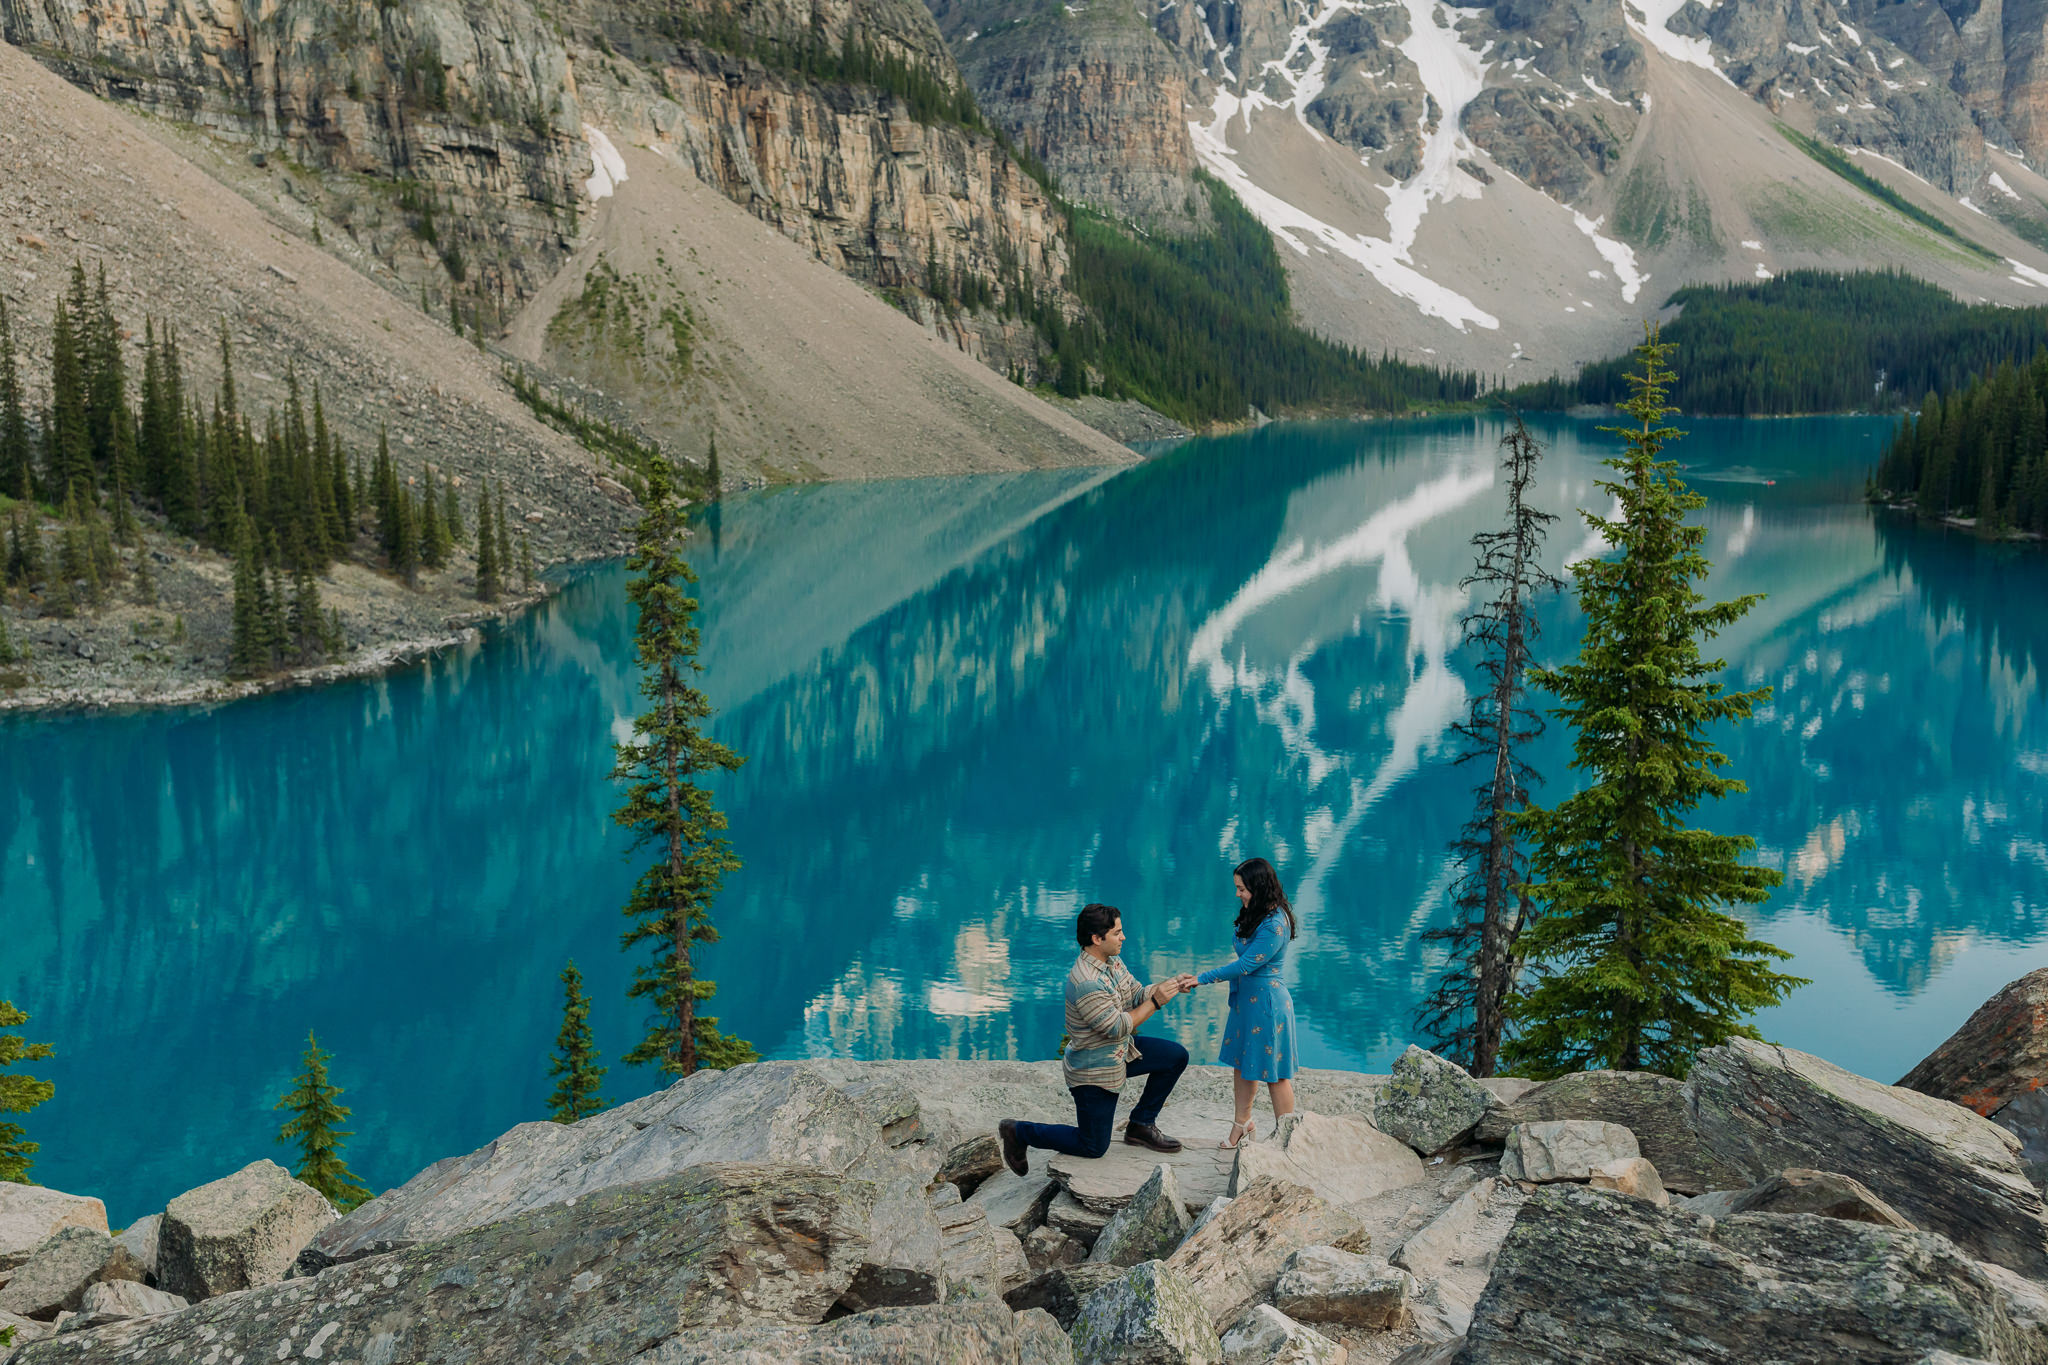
[{"x": 1095, "y": 920}]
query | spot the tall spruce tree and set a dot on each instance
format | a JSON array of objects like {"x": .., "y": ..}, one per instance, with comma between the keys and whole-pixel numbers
[
  {"x": 313, "y": 1103},
  {"x": 666, "y": 805},
  {"x": 488, "y": 581},
  {"x": 67, "y": 435},
  {"x": 1636, "y": 967},
  {"x": 1467, "y": 1013},
  {"x": 248, "y": 650},
  {"x": 575, "y": 1061},
  {"x": 19, "y": 1093},
  {"x": 17, "y": 463}
]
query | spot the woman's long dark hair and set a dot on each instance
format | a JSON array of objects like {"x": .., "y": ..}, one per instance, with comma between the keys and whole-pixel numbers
[{"x": 1264, "y": 883}]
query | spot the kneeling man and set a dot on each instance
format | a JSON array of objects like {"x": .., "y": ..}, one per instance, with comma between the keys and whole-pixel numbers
[{"x": 1105, "y": 1005}]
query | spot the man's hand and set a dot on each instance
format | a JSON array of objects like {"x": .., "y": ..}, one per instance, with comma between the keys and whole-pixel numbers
[
  {"x": 1187, "y": 981},
  {"x": 1159, "y": 992}
]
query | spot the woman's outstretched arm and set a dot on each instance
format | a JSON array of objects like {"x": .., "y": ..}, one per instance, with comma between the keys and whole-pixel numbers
[{"x": 1265, "y": 942}]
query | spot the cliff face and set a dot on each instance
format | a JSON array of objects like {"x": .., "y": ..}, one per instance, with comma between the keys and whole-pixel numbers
[
  {"x": 1093, "y": 92},
  {"x": 447, "y": 138}
]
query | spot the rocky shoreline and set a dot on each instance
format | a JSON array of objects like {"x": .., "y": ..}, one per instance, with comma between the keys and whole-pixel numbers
[{"x": 1770, "y": 1207}]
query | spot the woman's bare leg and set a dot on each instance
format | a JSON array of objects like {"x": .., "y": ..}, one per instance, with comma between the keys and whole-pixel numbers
[
  {"x": 1283, "y": 1098},
  {"x": 1244, "y": 1090}
]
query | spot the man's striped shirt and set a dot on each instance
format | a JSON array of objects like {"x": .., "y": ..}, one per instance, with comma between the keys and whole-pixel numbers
[{"x": 1099, "y": 998}]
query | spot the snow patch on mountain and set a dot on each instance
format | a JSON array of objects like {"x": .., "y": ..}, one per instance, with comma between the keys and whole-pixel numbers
[
  {"x": 1617, "y": 254},
  {"x": 607, "y": 167},
  {"x": 1652, "y": 19},
  {"x": 1387, "y": 260}
]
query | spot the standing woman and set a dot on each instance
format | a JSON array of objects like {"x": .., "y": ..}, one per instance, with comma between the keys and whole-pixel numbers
[{"x": 1258, "y": 1042}]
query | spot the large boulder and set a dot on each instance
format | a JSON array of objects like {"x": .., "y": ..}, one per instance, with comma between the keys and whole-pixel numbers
[
  {"x": 1564, "y": 1149},
  {"x": 1764, "y": 1109},
  {"x": 1343, "y": 1160},
  {"x": 1149, "y": 1315},
  {"x": 905, "y": 1262},
  {"x": 1631, "y": 1175},
  {"x": 1825, "y": 1193},
  {"x": 1999, "y": 1054},
  {"x": 957, "y": 1334},
  {"x": 1148, "y": 1228},
  {"x": 1429, "y": 1102},
  {"x": 1598, "y": 1278},
  {"x": 776, "y": 1112},
  {"x": 1454, "y": 1236},
  {"x": 1323, "y": 1284},
  {"x": 113, "y": 1300},
  {"x": 1061, "y": 1289},
  {"x": 1267, "y": 1336},
  {"x": 55, "y": 1277},
  {"x": 1650, "y": 1106},
  {"x": 242, "y": 1230},
  {"x": 1233, "y": 1261},
  {"x": 30, "y": 1214},
  {"x": 604, "y": 1278}
]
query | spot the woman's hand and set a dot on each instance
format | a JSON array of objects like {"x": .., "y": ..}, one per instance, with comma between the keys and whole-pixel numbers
[{"x": 1187, "y": 981}]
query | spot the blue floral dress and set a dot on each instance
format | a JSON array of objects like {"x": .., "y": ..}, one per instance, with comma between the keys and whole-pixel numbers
[{"x": 1259, "y": 1039}]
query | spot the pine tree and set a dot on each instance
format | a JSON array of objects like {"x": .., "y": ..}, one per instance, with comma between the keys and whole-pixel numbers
[
  {"x": 504, "y": 538},
  {"x": 145, "y": 582},
  {"x": 24, "y": 549},
  {"x": 575, "y": 1059},
  {"x": 1637, "y": 967},
  {"x": 313, "y": 1105},
  {"x": 17, "y": 466},
  {"x": 487, "y": 585},
  {"x": 451, "y": 511},
  {"x": 127, "y": 531},
  {"x": 405, "y": 555},
  {"x": 67, "y": 436},
  {"x": 712, "y": 475},
  {"x": 665, "y": 806},
  {"x": 7, "y": 652},
  {"x": 1467, "y": 1011},
  {"x": 248, "y": 652},
  {"x": 111, "y": 423},
  {"x": 19, "y": 1094},
  {"x": 433, "y": 541},
  {"x": 307, "y": 624}
]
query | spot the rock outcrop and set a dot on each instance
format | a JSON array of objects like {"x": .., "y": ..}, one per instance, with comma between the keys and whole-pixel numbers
[
  {"x": 1324, "y": 1285},
  {"x": 1601, "y": 1279},
  {"x": 1764, "y": 1109},
  {"x": 1564, "y": 1149},
  {"x": 57, "y": 1274},
  {"x": 114, "y": 1300},
  {"x": 1150, "y": 1315},
  {"x": 1823, "y": 1193},
  {"x": 1341, "y": 1159},
  {"x": 1997, "y": 1065},
  {"x": 1651, "y": 1107},
  {"x": 1061, "y": 1290},
  {"x": 1146, "y": 1229},
  {"x": 1267, "y": 1336},
  {"x": 239, "y": 1231},
  {"x": 601, "y": 1278}
]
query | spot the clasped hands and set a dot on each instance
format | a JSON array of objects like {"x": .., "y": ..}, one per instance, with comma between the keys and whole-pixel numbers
[{"x": 1163, "y": 991}]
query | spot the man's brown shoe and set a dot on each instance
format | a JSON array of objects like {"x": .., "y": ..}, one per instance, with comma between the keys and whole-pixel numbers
[
  {"x": 1013, "y": 1147},
  {"x": 1147, "y": 1135}
]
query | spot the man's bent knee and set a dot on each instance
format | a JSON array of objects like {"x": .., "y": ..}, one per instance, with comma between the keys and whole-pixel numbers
[{"x": 1093, "y": 1146}]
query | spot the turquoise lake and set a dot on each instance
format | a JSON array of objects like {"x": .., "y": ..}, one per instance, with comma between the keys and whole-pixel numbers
[{"x": 968, "y": 706}]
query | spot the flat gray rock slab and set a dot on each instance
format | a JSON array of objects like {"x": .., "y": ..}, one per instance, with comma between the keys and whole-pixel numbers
[
  {"x": 956, "y": 1334},
  {"x": 604, "y": 1279},
  {"x": 1344, "y": 1159},
  {"x": 239, "y": 1231},
  {"x": 1765, "y": 1109},
  {"x": 29, "y": 1214},
  {"x": 1458, "y": 1235},
  {"x": 113, "y": 1300},
  {"x": 764, "y": 1112},
  {"x": 1108, "y": 1182},
  {"x": 1598, "y": 1278},
  {"x": 1825, "y": 1193},
  {"x": 1564, "y": 1149}
]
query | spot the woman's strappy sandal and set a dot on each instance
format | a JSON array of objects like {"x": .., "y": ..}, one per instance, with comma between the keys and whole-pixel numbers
[{"x": 1240, "y": 1133}]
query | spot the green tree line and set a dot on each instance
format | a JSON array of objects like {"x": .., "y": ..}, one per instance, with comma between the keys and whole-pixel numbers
[
  {"x": 1815, "y": 341},
  {"x": 1981, "y": 450},
  {"x": 279, "y": 494}
]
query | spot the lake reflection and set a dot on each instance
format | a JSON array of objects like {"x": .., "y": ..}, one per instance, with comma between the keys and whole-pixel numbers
[{"x": 968, "y": 706}]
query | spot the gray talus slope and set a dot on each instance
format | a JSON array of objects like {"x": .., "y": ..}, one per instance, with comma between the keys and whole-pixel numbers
[{"x": 799, "y": 371}]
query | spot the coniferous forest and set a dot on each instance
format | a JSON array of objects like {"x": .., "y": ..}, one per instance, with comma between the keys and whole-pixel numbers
[
  {"x": 277, "y": 493},
  {"x": 1978, "y": 450},
  {"x": 1816, "y": 341}
]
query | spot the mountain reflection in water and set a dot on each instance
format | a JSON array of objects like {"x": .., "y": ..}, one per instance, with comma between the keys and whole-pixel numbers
[{"x": 969, "y": 706}]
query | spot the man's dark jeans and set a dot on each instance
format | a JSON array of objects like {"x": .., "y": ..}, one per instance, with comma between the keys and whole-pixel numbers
[{"x": 1160, "y": 1061}]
